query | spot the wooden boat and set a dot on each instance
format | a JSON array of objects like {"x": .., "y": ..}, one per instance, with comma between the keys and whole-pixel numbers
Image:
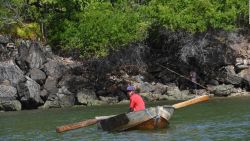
[{"x": 151, "y": 118}]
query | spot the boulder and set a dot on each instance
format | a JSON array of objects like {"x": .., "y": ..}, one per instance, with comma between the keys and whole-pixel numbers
[
  {"x": 153, "y": 97},
  {"x": 44, "y": 94},
  {"x": 10, "y": 71},
  {"x": 54, "y": 68},
  {"x": 160, "y": 88},
  {"x": 74, "y": 83},
  {"x": 155, "y": 88},
  {"x": 146, "y": 87},
  {"x": 10, "y": 105},
  {"x": 5, "y": 82},
  {"x": 233, "y": 79},
  {"x": 51, "y": 85},
  {"x": 109, "y": 100},
  {"x": 222, "y": 90},
  {"x": 8, "y": 92},
  {"x": 174, "y": 93},
  {"x": 36, "y": 57},
  {"x": 213, "y": 82},
  {"x": 230, "y": 77},
  {"x": 63, "y": 98},
  {"x": 52, "y": 102},
  {"x": 4, "y": 53},
  {"x": 23, "y": 52},
  {"x": 29, "y": 93},
  {"x": 86, "y": 97},
  {"x": 242, "y": 63},
  {"x": 30, "y": 55},
  {"x": 66, "y": 100},
  {"x": 37, "y": 75},
  {"x": 245, "y": 75}
]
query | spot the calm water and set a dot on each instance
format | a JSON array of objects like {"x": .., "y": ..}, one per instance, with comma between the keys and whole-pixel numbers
[{"x": 218, "y": 119}]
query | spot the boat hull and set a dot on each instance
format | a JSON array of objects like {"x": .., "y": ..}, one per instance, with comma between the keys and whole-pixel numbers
[
  {"x": 151, "y": 118},
  {"x": 151, "y": 124}
]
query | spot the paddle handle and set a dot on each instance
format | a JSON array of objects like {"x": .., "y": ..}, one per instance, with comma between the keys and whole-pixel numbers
[
  {"x": 76, "y": 125},
  {"x": 191, "y": 101},
  {"x": 81, "y": 124}
]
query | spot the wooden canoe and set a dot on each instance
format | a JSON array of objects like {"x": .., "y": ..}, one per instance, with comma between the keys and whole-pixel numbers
[{"x": 150, "y": 118}]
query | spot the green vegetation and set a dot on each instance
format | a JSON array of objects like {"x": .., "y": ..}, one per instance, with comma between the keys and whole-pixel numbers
[
  {"x": 95, "y": 27},
  {"x": 99, "y": 28},
  {"x": 197, "y": 15}
]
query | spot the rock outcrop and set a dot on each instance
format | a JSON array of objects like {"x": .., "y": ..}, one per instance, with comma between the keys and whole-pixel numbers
[{"x": 31, "y": 76}]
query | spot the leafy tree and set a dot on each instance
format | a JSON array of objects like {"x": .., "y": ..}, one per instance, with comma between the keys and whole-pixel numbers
[
  {"x": 100, "y": 28},
  {"x": 196, "y": 15},
  {"x": 19, "y": 18},
  {"x": 94, "y": 27}
]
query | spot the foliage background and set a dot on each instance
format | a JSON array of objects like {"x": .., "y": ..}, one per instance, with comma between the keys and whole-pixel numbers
[{"x": 97, "y": 27}]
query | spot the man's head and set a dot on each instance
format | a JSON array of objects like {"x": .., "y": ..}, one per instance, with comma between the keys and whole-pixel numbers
[{"x": 130, "y": 89}]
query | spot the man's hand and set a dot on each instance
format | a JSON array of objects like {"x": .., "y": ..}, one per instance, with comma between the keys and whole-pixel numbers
[{"x": 130, "y": 110}]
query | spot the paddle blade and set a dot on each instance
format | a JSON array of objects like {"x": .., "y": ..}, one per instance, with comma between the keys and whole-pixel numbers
[
  {"x": 76, "y": 125},
  {"x": 191, "y": 101}
]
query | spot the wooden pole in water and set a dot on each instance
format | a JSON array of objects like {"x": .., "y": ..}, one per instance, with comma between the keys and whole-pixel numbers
[
  {"x": 81, "y": 124},
  {"x": 191, "y": 101},
  {"x": 76, "y": 125}
]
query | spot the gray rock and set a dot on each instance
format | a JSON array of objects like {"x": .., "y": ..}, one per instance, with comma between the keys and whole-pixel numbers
[
  {"x": 8, "y": 92},
  {"x": 233, "y": 79},
  {"x": 37, "y": 75},
  {"x": 52, "y": 102},
  {"x": 152, "y": 97},
  {"x": 66, "y": 100},
  {"x": 10, "y": 71},
  {"x": 51, "y": 85},
  {"x": 222, "y": 90},
  {"x": 23, "y": 53},
  {"x": 54, "y": 68},
  {"x": 74, "y": 83},
  {"x": 4, "y": 39},
  {"x": 160, "y": 88},
  {"x": 146, "y": 88},
  {"x": 10, "y": 105},
  {"x": 44, "y": 94},
  {"x": 213, "y": 82},
  {"x": 109, "y": 100},
  {"x": 245, "y": 75},
  {"x": 5, "y": 82},
  {"x": 4, "y": 53},
  {"x": 36, "y": 57},
  {"x": 175, "y": 94},
  {"x": 86, "y": 97},
  {"x": 29, "y": 92},
  {"x": 61, "y": 99}
]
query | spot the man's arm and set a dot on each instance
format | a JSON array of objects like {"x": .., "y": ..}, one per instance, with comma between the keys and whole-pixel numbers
[{"x": 131, "y": 105}]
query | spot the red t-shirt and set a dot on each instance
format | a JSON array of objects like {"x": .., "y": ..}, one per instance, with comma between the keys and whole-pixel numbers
[{"x": 136, "y": 102}]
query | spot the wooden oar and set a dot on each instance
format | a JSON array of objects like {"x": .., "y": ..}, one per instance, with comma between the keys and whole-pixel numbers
[
  {"x": 81, "y": 124},
  {"x": 191, "y": 101}
]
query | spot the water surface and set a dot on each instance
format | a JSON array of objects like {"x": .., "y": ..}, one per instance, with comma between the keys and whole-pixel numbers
[{"x": 222, "y": 119}]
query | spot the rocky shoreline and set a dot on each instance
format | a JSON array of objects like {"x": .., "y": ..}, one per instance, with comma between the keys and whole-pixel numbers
[{"x": 32, "y": 76}]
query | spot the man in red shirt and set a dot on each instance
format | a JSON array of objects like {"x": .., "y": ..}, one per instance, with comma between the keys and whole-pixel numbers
[{"x": 136, "y": 101}]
